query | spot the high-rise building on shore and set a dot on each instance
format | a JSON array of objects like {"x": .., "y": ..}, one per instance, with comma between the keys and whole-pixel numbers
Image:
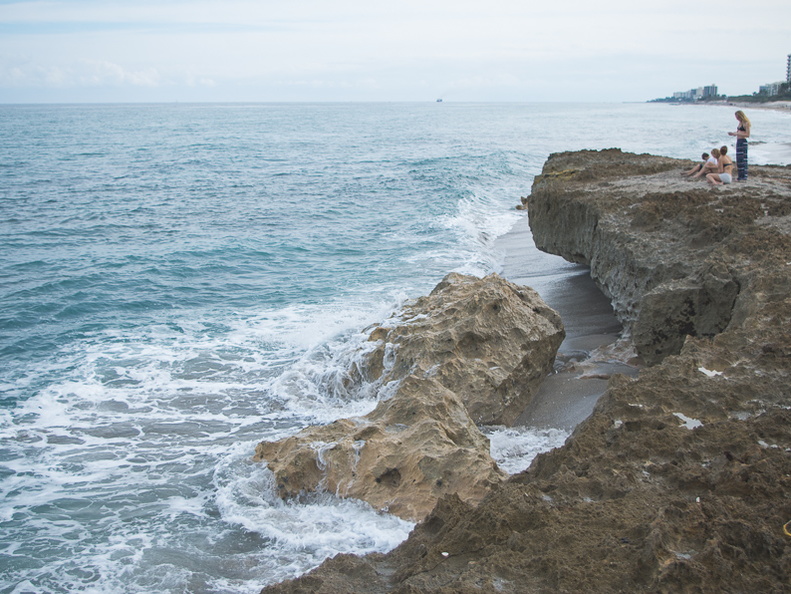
[
  {"x": 780, "y": 86},
  {"x": 696, "y": 94}
]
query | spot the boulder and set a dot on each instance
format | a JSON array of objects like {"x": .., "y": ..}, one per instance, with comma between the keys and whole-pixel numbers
[
  {"x": 473, "y": 351},
  {"x": 488, "y": 340},
  {"x": 402, "y": 457}
]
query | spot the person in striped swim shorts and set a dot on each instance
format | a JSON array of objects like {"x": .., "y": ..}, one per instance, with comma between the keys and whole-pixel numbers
[{"x": 742, "y": 134}]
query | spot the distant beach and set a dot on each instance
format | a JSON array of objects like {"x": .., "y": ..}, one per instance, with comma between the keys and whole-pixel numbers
[{"x": 776, "y": 105}]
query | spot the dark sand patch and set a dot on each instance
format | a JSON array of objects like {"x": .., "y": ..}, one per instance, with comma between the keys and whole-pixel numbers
[{"x": 593, "y": 349}]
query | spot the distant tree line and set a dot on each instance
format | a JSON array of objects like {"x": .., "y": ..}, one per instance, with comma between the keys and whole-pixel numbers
[{"x": 783, "y": 94}]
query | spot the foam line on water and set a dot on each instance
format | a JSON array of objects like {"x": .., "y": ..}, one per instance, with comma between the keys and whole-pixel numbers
[
  {"x": 306, "y": 530},
  {"x": 515, "y": 448}
]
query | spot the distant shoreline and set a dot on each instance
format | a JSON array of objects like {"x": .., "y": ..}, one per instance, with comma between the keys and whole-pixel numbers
[{"x": 774, "y": 105}]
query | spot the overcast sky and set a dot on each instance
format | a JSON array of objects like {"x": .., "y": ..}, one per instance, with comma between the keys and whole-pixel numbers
[{"x": 399, "y": 50}]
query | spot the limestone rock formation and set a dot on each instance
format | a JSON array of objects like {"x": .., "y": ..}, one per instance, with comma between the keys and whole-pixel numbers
[
  {"x": 488, "y": 340},
  {"x": 590, "y": 208},
  {"x": 473, "y": 351},
  {"x": 402, "y": 457},
  {"x": 679, "y": 481}
]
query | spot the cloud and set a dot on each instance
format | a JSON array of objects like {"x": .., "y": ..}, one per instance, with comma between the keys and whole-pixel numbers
[
  {"x": 89, "y": 74},
  {"x": 81, "y": 74},
  {"x": 348, "y": 49}
]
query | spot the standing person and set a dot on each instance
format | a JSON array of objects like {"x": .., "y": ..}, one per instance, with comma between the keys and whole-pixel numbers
[{"x": 742, "y": 134}]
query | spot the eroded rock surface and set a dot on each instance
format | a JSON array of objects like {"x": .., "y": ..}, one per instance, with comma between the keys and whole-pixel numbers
[
  {"x": 680, "y": 480},
  {"x": 473, "y": 351},
  {"x": 626, "y": 217},
  {"x": 488, "y": 340}
]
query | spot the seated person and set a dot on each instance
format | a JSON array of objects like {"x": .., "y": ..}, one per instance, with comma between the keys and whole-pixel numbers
[
  {"x": 711, "y": 166},
  {"x": 724, "y": 173},
  {"x": 697, "y": 167}
]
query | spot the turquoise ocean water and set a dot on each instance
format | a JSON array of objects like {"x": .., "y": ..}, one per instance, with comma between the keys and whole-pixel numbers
[{"x": 179, "y": 282}]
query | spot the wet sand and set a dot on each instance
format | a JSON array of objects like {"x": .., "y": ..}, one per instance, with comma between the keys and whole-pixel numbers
[{"x": 593, "y": 349}]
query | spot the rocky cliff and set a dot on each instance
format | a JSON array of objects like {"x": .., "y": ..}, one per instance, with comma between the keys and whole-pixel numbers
[
  {"x": 627, "y": 229},
  {"x": 680, "y": 480}
]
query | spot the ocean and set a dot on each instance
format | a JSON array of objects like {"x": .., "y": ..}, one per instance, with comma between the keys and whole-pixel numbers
[{"x": 179, "y": 282}]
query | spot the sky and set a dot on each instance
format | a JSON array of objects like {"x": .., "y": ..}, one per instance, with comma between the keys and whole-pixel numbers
[{"x": 65, "y": 51}]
